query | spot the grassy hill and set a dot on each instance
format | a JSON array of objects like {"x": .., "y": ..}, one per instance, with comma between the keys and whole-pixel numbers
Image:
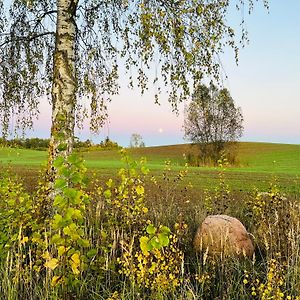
[
  {"x": 253, "y": 157},
  {"x": 258, "y": 163}
]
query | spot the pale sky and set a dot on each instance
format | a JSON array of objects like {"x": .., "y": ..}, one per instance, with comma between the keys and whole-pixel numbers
[{"x": 265, "y": 85}]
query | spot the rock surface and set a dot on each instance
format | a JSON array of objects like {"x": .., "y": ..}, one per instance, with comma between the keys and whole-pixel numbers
[{"x": 222, "y": 235}]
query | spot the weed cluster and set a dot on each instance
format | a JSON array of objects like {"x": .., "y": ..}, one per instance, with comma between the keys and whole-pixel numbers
[{"x": 131, "y": 238}]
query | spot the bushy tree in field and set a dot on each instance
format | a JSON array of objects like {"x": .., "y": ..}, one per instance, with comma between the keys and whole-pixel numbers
[
  {"x": 73, "y": 49},
  {"x": 212, "y": 121},
  {"x": 136, "y": 141}
]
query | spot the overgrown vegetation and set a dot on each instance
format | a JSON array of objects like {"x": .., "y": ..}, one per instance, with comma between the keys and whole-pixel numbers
[{"x": 130, "y": 237}]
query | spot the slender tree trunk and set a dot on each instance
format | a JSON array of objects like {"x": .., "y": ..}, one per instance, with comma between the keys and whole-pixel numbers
[{"x": 64, "y": 85}]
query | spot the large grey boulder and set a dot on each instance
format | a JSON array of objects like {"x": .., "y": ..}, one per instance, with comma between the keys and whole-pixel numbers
[{"x": 222, "y": 235}]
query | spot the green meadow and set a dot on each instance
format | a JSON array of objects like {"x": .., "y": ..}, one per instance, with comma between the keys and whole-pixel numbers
[{"x": 258, "y": 164}]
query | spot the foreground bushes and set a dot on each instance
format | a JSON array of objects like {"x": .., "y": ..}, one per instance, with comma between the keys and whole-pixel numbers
[{"x": 131, "y": 238}]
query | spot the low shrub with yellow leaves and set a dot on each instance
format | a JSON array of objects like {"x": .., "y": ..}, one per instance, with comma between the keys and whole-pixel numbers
[
  {"x": 275, "y": 220},
  {"x": 155, "y": 263},
  {"x": 271, "y": 284}
]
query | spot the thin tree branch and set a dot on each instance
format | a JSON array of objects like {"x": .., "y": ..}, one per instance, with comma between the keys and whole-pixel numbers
[
  {"x": 27, "y": 38},
  {"x": 40, "y": 18}
]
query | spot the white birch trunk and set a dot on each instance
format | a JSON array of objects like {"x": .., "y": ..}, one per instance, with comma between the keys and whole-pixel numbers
[{"x": 64, "y": 84}]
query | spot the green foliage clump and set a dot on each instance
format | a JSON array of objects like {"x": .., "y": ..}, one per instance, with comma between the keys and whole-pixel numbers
[{"x": 68, "y": 238}]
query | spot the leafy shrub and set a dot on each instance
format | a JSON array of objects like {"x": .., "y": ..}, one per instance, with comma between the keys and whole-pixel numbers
[
  {"x": 65, "y": 256},
  {"x": 156, "y": 262}
]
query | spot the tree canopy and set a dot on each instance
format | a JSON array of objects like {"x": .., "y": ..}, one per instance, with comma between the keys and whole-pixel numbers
[
  {"x": 183, "y": 38},
  {"x": 212, "y": 121}
]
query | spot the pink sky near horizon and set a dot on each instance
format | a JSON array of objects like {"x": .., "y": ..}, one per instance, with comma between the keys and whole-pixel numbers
[{"x": 265, "y": 85}]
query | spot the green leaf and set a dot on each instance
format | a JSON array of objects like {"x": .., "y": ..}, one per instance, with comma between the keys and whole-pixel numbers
[
  {"x": 154, "y": 243},
  {"x": 163, "y": 239},
  {"x": 59, "y": 201},
  {"x": 57, "y": 222},
  {"x": 69, "y": 213},
  {"x": 91, "y": 253},
  {"x": 57, "y": 240},
  {"x": 60, "y": 183},
  {"x": 77, "y": 215},
  {"x": 165, "y": 230},
  {"x": 109, "y": 183},
  {"x": 76, "y": 178},
  {"x": 65, "y": 171},
  {"x": 61, "y": 250},
  {"x": 62, "y": 147},
  {"x": 150, "y": 229},
  {"x": 144, "y": 170},
  {"x": 199, "y": 9},
  {"x": 107, "y": 194},
  {"x": 58, "y": 162},
  {"x": 73, "y": 158},
  {"x": 83, "y": 243},
  {"x": 72, "y": 231},
  {"x": 71, "y": 193}
]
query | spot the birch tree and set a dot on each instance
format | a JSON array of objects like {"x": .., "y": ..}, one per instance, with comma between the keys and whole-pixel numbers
[{"x": 72, "y": 51}]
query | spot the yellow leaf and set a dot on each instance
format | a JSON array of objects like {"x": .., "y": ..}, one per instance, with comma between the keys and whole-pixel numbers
[
  {"x": 24, "y": 240},
  {"x": 76, "y": 259},
  {"x": 61, "y": 250},
  {"x": 55, "y": 280},
  {"x": 52, "y": 263},
  {"x": 75, "y": 263},
  {"x": 46, "y": 255},
  {"x": 140, "y": 190}
]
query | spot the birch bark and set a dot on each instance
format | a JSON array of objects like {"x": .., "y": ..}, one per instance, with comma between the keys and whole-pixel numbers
[{"x": 64, "y": 84}]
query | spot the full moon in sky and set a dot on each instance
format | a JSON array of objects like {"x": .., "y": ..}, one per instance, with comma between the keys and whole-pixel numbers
[{"x": 160, "y": 130}]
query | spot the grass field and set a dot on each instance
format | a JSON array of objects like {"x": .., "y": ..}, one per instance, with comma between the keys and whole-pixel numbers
[{"x": 258, "y": 164}]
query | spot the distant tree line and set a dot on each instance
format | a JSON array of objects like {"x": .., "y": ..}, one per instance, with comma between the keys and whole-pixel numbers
[
  {"x": 43, "y": 144},
  {"x": 26, "y": 143}
]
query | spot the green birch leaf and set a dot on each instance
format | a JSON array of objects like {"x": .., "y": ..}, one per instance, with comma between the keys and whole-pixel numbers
[
  {"x": 60, "y": 183},
  {"x": 163, "y": 239},
  {"x": 150, "y": 229},
  {"x": 58, "y": 162}
]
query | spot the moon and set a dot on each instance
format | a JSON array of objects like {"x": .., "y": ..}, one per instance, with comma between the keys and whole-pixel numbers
[{"x": 160, "y": 130}]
